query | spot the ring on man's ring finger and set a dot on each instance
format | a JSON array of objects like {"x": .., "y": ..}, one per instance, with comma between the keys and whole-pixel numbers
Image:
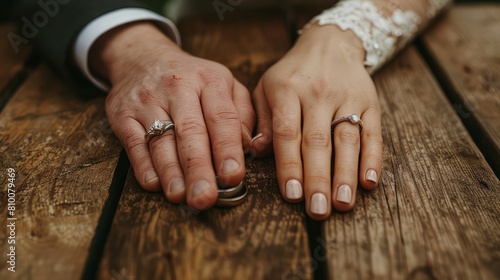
[
  {"x": 354, "y": 119},
  {"x": 158, "y": 128}
]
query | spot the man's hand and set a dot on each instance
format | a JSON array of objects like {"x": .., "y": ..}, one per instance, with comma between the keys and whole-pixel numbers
[{"x": 152, "y": 78}]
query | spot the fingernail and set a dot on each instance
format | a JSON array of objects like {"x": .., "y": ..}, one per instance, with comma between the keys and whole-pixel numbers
[
  {"x": 257, "y": 136},
  {"x": 371, "y": 175},
  {"x": 293, "y": 189},
  {"x": 176, "y": 186},
  {"x": 150, "y": 176},
  {"x": 344, "y": 194},
  {"x": 318, "y": 204},
  {"x": 229, "y": 166},
  {"x": 200, "y": 189}
]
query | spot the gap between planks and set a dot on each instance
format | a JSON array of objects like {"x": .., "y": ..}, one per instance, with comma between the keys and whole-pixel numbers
[
  {"x": 106, "y": 219},
  {"x": 461, "y": 49}
]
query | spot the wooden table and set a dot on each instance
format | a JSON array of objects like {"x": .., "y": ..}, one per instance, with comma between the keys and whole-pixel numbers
[{"x": 436, "y": 214}]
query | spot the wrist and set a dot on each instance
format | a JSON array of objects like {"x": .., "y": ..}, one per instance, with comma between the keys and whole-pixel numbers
[
  {"x": 332, "y": 40},
  {"x": 136, "y": 43}
]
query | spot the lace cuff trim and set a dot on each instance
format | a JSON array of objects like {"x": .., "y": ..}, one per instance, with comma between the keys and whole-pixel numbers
[{"x": 380, "y": 35}]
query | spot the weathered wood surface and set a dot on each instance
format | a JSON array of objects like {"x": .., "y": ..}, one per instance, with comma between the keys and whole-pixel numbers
[
  {"x": 11, "y": 62},
  {"x": 64, "y": 155},
  {"x": 436, "y": 212},
  {"x": 434, "y": 216},
  {"x": 464, "y": 48},
  {"x": 265, "y": 238}
]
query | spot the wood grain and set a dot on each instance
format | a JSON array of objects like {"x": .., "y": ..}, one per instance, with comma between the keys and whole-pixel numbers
[
  {"x": 464, "y": 49},
  {"x": 247, "y": 46},
  {"x": 265, "y": 238},
  {"x": 435, "y": 213},
  {"x": 64, "y": 155}
]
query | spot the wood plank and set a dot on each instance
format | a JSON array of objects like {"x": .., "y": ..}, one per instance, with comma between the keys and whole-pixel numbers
[
  {"x": 463, "y": 47},
  {"x": 64, "y": 155},
  {"x": 243, "y": 44},
  {"x": 435, "y": 213},
  {"x": 264, "y": 238}
]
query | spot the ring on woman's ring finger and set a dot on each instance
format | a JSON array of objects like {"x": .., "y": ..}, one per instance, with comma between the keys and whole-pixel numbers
[
  {"x": 158, "y": 128},
  {"x": 354, "y": 119}
]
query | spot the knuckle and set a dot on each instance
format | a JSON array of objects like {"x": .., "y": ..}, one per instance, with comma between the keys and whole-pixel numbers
[
  {"x": 114, "y": 113},
  {"x": 172, "y": 81},
  {"x": 317, "y": 138},
  {"x": 224, "y": 116},
  {"x": 145, "y": 96},
  {"x": 168, "y": 166},
  {"x": 287, "y": 85},
  {"x": 114, "y": 107},
  {"x": 189, "y": 127},
  {"x": 132, "y": 143},
  {"x": 286, "y": 131},
  {"x": 373, "y": 104},
  {"x": 347, "y": 134},
  {"x": 321, "y": 90},
  {"x": 373, "y": 137},
  {"x": 213, "y": 74},
  {"x": 290, "y": 164},
  {"x": 274, "y": 79}
]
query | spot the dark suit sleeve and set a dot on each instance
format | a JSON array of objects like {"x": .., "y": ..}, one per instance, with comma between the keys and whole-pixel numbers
[{"x": 53, "y": 25}]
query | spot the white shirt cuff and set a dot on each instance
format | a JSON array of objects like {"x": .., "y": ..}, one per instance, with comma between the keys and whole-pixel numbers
[{"x": 92, "y": 31}]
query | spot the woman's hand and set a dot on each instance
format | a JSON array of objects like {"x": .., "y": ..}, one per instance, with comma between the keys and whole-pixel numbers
[
  {"x": 320, "y": 79},
  {"x": 152, "y": 79}
]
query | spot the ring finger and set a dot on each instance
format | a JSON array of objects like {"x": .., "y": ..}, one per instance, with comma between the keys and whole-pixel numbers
[
  {"x": 163, "y": 150},
  {"x": 346, "y": 142}
]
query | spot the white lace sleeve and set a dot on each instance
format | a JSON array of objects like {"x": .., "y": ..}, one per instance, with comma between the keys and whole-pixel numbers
[{"x": 383, "y": 26}]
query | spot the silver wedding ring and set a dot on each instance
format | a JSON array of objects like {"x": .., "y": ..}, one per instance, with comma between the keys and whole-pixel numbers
[
  {"x": 231, "y": 196},
  {"x": 158, "y": 128},
  {"x": 229, "y": 192},
  {"x": 354, "y": 119},
  {"x": 235, "y": 199}
]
